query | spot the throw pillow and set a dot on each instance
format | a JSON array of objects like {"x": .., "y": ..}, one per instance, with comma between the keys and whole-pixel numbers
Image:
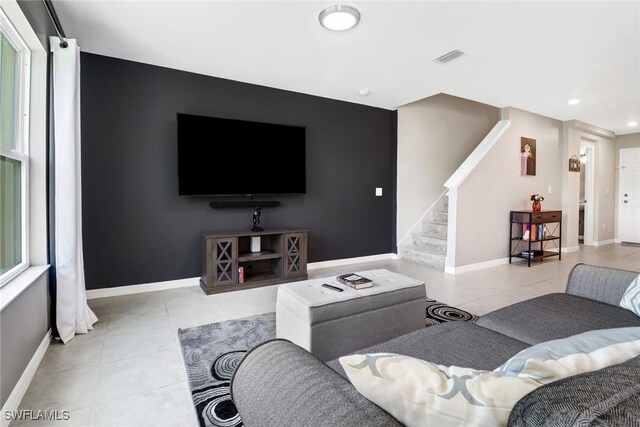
[
  {"x": 631, "y": 298},
  {"x": 553, "y": 360},
  {"x": 419, "y": 393}
]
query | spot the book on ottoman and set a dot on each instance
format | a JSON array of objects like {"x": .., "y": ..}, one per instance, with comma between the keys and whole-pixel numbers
[{"x": 354, "y": 281}]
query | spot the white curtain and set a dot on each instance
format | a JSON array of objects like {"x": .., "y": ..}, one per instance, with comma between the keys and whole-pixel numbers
[{"x": 73, "y": 315}]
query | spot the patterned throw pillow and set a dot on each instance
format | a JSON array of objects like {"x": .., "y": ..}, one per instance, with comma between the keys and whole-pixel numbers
[
  {"x": 419, "y": 393},
  {"x": 553, "y": 360},
  {"x": 631, "y": 298}
]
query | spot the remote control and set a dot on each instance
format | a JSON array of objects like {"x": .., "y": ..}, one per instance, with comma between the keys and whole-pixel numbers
[{"x": 334, "y": 288}]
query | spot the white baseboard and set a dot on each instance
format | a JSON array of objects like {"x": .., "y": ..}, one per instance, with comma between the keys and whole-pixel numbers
[
  {"x": 617, "y": 241},
  {"x": 571, "y": 249},
  {"x": 604, "y": 242},
  {"x": 195, "y": 281},
  {"x": 145, "y": 287},
  {"x": 13, "y": 402},
  {"x": 478, "y": 266},
  {"x": 346, "y": 261}
]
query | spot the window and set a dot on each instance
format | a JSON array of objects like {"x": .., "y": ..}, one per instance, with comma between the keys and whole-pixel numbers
[{"x": 14, "y": 151}]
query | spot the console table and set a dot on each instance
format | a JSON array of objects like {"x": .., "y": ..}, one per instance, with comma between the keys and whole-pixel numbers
[
  {"x": 545, "y": 232},
  {"x": 282, "y": 258}
]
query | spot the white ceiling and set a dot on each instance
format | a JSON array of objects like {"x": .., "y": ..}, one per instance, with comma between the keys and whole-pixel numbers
[{"x": 530, "y": 55}]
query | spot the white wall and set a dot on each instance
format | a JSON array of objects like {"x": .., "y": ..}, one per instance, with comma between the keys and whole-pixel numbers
[
  {"x": 496, "y": 187},
  {"x": 435, "y": 135}
]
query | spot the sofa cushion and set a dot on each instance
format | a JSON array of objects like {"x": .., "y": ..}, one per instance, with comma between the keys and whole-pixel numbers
[
  {"x": 451, "y": 343},
  {"x": 589, "y": 351},
  {"x": 631, "y": 298},
  {"x": 280, "y": 384},
  {"x": 608, "y": 397},
  {"x": 599, "y": 283},
  {"x": 420, "y": 393},
  {"x": 555, "y": 316}
]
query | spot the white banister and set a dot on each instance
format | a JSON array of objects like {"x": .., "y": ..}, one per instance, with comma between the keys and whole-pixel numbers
[{"x": 477, "y": 155}]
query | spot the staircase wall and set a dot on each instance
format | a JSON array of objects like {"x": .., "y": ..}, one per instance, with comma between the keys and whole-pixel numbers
[
  {"x": 495, "y": 187},
  {"x": 435, "y": 135}
]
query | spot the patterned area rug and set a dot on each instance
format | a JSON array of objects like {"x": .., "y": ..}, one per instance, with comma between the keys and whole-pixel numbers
[
  {"x": 438, "y": 312},
  {"x": 212, "y": 353}
]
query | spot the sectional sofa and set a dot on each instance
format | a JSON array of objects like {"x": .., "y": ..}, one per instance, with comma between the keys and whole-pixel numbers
[{"x": 278, "y": 383}]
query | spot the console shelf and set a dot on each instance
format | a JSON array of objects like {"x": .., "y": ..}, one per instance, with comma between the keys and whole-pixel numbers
[
  {"x": 283, "y": 258},
  {"x": 534, "y": 236},
  {"x": 254, "y": 256}
]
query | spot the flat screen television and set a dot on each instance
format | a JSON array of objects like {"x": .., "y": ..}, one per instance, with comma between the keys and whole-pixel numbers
[{"x": 235, "y": 157}]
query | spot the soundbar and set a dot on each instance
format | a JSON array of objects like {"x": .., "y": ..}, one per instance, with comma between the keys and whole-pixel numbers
[{"x": 244, "y": 204}]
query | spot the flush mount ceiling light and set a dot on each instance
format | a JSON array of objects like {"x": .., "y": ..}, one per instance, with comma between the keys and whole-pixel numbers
[
  {"x": 574, "y": 101},
  {"x": 364, "y": 92},
  {"x": 632, "y": 124},
  {"x": 339, "y": 17}
]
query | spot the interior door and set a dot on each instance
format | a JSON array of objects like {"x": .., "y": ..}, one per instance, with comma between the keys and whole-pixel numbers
[{"x": 629, "y": 197}]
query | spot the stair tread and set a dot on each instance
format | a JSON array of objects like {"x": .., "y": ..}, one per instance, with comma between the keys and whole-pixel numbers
[
  {"x": 421, "y": 249},
  {"x": 436, "y": 222},
  {"x": 433, "y": 236}
]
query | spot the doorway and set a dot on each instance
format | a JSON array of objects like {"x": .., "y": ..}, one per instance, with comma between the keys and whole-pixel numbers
[
  {"x": 629, "y": 195},
  {"x": 586, "y": 199}
]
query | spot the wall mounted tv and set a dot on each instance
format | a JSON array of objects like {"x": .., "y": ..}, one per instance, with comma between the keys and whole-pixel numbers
[{"x": 235, "y": 157}]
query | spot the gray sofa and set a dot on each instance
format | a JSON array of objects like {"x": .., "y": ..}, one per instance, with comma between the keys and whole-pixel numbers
[{"x": 280, "y": 384}]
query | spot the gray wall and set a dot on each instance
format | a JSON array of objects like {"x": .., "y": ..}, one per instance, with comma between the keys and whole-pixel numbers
[
  {"x": 136, "y": 227},
  {"x": 574, "y": 133},
  {"x": 496, "y": 187},
  {"x": 25, "y": 321},
  {"x": 23, "y": 324},
  {"x": 630, "y": 140},
  {"x": 435, "y": 135},
  {"x": 39, "y": 19}
]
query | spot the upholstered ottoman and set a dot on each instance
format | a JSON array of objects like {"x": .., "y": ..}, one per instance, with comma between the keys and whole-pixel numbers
[{"x": 330, "y": 324}]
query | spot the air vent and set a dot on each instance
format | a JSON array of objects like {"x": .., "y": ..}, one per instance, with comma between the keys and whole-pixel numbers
[{"x": 449, "y": 56}]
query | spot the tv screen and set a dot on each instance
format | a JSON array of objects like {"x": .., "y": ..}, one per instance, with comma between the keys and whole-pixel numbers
[{"x": 236, "y": 157}]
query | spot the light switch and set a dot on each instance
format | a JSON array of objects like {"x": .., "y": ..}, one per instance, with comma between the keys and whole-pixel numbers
[
  {"x": 549, "y": 190},
  {"x": 378, "y": 191}
]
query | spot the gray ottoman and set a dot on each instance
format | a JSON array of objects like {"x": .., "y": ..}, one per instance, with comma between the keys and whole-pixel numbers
[{"x": 330, "y": 324}]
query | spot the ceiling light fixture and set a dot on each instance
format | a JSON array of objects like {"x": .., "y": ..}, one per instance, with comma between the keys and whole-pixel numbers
[
  {"x": 339, "y": 17},
  {"x": 574, "y": 101},
  {"x": 632, "y": 124},
  {"x": 364, "y": 92}
]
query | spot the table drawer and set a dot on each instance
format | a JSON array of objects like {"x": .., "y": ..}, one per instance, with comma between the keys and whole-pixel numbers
[
  {"x": 536, "y": 217},
  {"x": 550, "y": 216}
]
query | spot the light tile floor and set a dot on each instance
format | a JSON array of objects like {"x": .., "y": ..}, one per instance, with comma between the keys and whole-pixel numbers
[{"x": 129, "y": 371}]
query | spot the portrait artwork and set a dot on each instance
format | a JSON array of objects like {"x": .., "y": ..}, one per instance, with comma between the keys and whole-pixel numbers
[{"x": 527, "y": 156}]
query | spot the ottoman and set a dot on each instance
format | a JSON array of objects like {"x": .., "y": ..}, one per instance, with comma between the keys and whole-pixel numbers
[{"x": 330, "y": 324}]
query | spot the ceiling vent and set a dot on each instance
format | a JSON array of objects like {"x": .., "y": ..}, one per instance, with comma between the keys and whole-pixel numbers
[{"x": 449, "y": 56}]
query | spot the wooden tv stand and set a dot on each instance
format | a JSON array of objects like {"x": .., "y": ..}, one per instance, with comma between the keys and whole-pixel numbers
[{"x": 282, "y": 258}]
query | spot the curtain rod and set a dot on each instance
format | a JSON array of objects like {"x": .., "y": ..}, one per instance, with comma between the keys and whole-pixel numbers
[{"x": 56, "y": 23}]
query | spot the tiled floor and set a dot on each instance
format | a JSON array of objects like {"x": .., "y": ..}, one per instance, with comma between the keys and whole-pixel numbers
[{"x": 129, "y": 371}]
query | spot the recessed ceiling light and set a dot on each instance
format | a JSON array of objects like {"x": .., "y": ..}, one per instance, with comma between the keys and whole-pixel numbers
[
  {"x": 632, "y": 124},
  {"x": 339, "y": 17},
  {"x": 364, "y": 92},
  {"x": 574, "y": 101}
]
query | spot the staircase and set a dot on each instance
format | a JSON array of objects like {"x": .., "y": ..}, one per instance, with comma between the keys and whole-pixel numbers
[{"x": 429, "y": 247}]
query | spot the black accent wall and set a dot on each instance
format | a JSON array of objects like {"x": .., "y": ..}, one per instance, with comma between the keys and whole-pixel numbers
[{"x": 138, "y": 230}]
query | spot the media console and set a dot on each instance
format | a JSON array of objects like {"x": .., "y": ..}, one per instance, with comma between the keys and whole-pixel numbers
[{"x": 282, "y": 258}]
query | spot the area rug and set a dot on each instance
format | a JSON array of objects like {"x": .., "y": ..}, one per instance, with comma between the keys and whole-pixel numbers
[{"x": 212, "y": 353}]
